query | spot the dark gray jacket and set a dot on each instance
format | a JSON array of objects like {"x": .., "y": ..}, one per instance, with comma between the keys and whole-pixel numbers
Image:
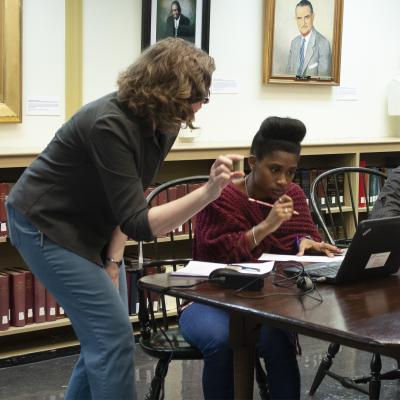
[
  {"x": 91, "y": 177},
  {"x": 388, "y": 203}
]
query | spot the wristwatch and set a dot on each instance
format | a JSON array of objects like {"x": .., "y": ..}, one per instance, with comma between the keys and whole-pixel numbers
[{"x": 110, "y": 259}]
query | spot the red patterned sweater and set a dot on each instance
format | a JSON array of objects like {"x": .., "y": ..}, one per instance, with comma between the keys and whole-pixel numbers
[{"x": 221, "y": 227}]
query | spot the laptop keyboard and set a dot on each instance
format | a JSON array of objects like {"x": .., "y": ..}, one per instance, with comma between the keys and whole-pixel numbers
[{"x": 330, "y": 269}]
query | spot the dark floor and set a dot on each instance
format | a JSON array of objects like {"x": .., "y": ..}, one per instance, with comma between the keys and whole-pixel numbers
[{"x": 46, "y": 380}]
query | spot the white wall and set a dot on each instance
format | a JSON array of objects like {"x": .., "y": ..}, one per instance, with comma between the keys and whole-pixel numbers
[
  {"x": 43, "y": 72},
  {"x": 370, "y": 56},
  {"x": 112, "y": 29},
  {"x": 111, "y": 41}
]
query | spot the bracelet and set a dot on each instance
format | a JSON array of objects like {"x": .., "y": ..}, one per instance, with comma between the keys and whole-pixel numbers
[
  {"x": 110, "y": 259},
  {"x": 254, "y": 236},
  {"x": 300, "y": 238}
]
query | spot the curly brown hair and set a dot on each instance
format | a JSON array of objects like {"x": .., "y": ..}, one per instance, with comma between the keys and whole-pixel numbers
[{"x": 165, "y": 81}]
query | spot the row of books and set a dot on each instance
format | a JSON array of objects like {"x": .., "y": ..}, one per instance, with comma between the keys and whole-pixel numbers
[
  {"x": 326, "y": 195},
  {"x": 332, "y": 192},
  {"x": 173, "y": 193},
  {"x": 304, "y": 178},
  {"x": 168, "y": 195},
  {"x": 24, "y": 300}
]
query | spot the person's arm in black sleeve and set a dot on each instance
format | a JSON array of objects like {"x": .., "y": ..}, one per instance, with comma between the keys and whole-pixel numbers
[{"x": 117, "y": 167}]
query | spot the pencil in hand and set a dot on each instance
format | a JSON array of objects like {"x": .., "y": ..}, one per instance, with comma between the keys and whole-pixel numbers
[{"x": 264, "y": 203}]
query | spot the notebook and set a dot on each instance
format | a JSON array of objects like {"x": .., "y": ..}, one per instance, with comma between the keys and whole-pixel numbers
[{"x": 373, "y": 252}]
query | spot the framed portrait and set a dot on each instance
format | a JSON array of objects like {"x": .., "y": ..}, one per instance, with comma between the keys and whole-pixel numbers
[
  {"x": 302, "y": 41},
  {"x": 10, "y": 61},
  {"x": 187, "y": 19}
]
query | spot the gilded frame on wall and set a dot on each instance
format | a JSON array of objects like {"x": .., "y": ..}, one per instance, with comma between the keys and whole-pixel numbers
[
  {"x": 10, "y": 65},
  {"x": 302, "y": 41}
]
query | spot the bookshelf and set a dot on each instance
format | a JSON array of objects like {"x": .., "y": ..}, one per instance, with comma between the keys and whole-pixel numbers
[{"x": 189, "y": 159}]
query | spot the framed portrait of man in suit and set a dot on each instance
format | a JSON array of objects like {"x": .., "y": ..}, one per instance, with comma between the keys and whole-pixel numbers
[
  {"x": 302, "y": 42},
  {"x": 187, "y": 19}
]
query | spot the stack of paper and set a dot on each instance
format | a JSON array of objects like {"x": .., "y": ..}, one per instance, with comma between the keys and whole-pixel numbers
[
  {"x": 308, "y": 259},
  {"x": 201, "y": 268}
]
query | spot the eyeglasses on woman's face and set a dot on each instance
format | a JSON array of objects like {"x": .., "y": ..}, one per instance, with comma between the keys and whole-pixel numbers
[{"x": 203, "y": 100}]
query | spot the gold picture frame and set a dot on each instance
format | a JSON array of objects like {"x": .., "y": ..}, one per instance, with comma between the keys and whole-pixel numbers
[
  {"x": 10, "y": 65},
  {"x": 287, "y": 23}
]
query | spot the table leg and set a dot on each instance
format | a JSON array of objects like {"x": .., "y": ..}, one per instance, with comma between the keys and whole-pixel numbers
[{"x": 243, "y": 337}]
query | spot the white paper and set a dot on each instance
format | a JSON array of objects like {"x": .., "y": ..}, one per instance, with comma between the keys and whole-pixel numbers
[
  {"x": 346, "y": 93},
  {"x": 220, "y": 85},
  {"x": 43, "y": 105},
  {"x": 201, "y": 268},
  {"x": 289, "y": 257}
]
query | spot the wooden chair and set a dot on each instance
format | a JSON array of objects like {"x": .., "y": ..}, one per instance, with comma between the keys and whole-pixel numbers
[
  {"x": 160, "y": 336},
  {"x": 339, "y": 198}
]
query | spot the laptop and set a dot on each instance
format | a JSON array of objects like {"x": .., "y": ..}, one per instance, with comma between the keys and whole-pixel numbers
[{"x": 373, "y": 252}]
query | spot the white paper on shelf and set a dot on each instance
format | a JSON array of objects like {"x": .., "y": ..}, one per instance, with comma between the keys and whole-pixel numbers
[
  {"x": 201, "y": 268},
  {"x": 290, "y": 257}
]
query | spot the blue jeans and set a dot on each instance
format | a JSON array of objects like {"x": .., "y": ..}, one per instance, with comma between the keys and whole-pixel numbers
[
  {"x": 98, "y": 313},
  {"x": 207, "y": 328}
]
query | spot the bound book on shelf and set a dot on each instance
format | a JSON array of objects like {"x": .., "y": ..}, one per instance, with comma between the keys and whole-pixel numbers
[
  {"x": 39, "y": 301},
  {"x": 51, "y": 305},
  {"x": 17, "y": 297},
  {"x": 362, "y": 186},
  {"x": 4, "y": 190},
  {"x": 60, "y": 311},
  {"x": 28, "y": 294},
  {"x": 4, "y": 302}
]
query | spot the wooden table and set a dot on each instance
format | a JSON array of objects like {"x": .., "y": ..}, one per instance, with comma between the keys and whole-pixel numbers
[{"x": 364, "y": 315}]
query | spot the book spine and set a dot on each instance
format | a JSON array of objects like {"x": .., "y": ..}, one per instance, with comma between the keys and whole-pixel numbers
[
  {"x": 39, "y": 302},
  {"x": 29, "y": 297},
  {"x": 340, "y": 182},
  {"x": 17, "y": 298},
  {"x": 4, "y": 190},
  {"x": 4, "y": 302},
  {"x": 51, "y": 305},
  {"x": 60, "y": 311},
  {"x": 362, "y": 185},
  {"x": 322, "y": 190}
]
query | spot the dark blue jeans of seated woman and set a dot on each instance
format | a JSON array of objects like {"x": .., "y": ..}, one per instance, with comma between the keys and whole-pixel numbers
[{"x": 207, "y": 328}]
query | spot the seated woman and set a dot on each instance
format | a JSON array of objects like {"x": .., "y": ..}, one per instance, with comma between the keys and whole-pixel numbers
[{"x": 232, "y": 229}]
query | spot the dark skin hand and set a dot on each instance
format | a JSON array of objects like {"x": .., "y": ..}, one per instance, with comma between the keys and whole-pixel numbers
[{"x": 321, "y": 247}]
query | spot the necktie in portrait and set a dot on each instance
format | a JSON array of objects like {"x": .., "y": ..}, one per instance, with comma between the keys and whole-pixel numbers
[{"x": 301, "y": 63}]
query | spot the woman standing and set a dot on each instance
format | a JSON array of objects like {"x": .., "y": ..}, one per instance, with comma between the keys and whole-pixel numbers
[{"x": 71, "y": 211}]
